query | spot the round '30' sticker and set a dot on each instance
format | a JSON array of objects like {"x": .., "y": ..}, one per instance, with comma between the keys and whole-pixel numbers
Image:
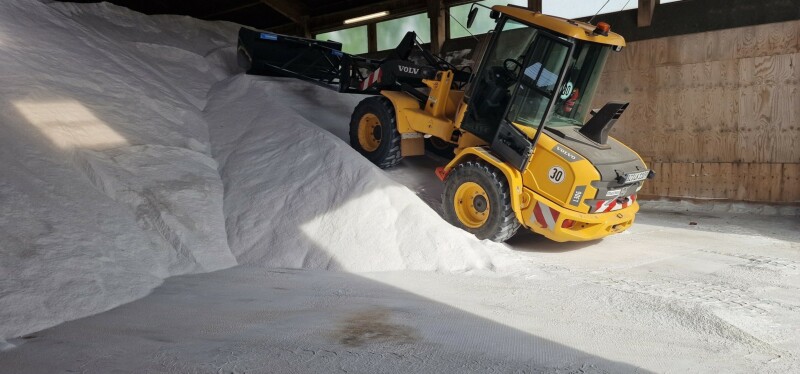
[{"x": 556, "y": 174}]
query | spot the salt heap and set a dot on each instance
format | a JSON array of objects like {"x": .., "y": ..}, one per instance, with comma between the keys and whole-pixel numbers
[
  {"x": 106, "y": 181},
  {"x": 121, "y": 166}
]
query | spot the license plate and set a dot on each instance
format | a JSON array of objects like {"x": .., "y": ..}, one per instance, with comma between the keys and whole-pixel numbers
[{"x": 635, "y": 177}]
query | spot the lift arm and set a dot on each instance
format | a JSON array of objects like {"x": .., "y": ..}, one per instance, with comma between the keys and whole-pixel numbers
[{"x": 323, "y": 63}]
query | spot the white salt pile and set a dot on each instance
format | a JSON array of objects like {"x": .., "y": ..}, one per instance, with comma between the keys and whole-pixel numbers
[
  {"x": 108, "y": 185},
  {"x": 106, "y": 181}
]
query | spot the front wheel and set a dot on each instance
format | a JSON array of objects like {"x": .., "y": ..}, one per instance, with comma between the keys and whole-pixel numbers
[
  {"x": 476, "y": 198},
  {"x": 373, "y": 132}
]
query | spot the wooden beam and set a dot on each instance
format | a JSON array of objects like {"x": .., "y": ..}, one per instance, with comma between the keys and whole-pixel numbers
[
  {"x": 447, "y": 25},
  {"x": 231, "y": 10},
  {"x": 372, "y": 38},
  {"x": 645, "y": 12},
  {"x": 293, "y": 11},
  {"x": 436, "y": 14},
  {"x": 535, "y": 5}
]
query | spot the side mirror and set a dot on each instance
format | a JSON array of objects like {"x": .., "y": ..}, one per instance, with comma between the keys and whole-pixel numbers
[{"x": 473, "y": 11}]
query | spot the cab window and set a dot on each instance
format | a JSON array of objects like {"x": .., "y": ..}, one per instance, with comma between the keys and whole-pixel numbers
[{"x": 538, "y": 84}]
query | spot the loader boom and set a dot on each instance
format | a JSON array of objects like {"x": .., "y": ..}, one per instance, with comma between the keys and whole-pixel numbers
[{"x": 323, "y": 63}]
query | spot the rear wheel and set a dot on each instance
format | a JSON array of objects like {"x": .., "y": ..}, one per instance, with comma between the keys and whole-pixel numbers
[
  {"x": 476, "y": 198},
  {"x": 373, "y": 132},
  {"x": 440, "y": 147}
]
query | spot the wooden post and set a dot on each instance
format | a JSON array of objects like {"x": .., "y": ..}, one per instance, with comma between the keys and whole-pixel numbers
[
  {"x": 305, "y": 28},
  {"x": 447, "y": 25},
  {"x": 372, "y": 37},
  {"x": 535, "y": 5},
  {"x": 436, "y": 14},
  {"x": 645, "y": 13}
]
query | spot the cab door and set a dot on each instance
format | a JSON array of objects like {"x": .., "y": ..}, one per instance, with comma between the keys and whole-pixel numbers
[
  {"x": 533, "y": 98},
  {"x": 490, "y": 91}
]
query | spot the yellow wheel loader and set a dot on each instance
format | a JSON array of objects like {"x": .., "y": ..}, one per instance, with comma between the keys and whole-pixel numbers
[{"x": 522, "y": 152}]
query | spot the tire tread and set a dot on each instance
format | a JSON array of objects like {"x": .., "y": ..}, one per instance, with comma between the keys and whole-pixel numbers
[
  {"x": 391, "y": 156},
  {"x": 508, "y": 223}
]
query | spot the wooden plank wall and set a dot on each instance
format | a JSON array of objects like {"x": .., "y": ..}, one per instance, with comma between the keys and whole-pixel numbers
[{"x": 716, "y": 114}]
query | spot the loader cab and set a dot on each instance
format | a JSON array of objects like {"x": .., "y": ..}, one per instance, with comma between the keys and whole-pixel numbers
[
  {"x": 490, "y": 93},
  {"x": 532, "y": 77}
]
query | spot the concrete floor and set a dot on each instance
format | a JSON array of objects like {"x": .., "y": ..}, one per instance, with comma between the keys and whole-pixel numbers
[{"x": 721, "y": 295}]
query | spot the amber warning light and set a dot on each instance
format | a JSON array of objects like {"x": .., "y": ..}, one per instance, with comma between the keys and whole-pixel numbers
[{"x": 602, "y": 28}]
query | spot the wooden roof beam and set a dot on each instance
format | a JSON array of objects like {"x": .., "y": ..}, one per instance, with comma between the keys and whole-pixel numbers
[
  {"x": 231, "y": 10},
  {"x": 293, "y": 10}
]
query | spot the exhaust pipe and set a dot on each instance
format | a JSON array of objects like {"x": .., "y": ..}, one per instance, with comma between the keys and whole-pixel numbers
[{"x": 598, "y": 127}]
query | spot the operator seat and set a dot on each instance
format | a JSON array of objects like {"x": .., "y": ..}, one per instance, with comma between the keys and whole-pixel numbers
[{"x": 495, "y": 95}]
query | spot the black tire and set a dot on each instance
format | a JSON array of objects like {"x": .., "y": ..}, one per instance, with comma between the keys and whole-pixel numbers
[
  {"x": 387, "y": 153},
  {"x": 501, "y": 223},
  {"x": 440, "y": 147}
]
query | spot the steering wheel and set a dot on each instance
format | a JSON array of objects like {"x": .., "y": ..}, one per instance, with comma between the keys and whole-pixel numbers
[
  {"x": 504, "y": 75},
  {"x": 515, "y": 69},
  {"x": 499, "y": 76},
  {"x": 497, "y": 79}
]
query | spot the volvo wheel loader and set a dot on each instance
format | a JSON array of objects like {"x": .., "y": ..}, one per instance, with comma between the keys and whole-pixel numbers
[{"x": 523, "y": 153}]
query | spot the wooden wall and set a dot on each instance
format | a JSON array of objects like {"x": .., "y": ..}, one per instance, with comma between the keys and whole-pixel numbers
[{"x": 715, "y": 114}]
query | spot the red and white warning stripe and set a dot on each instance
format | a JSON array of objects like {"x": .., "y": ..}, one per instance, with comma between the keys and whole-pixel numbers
[
  {"x": 545, "y": 216},
  {"x": 613, "y": 204},
  {"x": 371, "y": 79}
]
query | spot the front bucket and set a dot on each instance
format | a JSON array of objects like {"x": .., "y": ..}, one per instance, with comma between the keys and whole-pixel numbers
[{"x": 262, "y": 53}]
